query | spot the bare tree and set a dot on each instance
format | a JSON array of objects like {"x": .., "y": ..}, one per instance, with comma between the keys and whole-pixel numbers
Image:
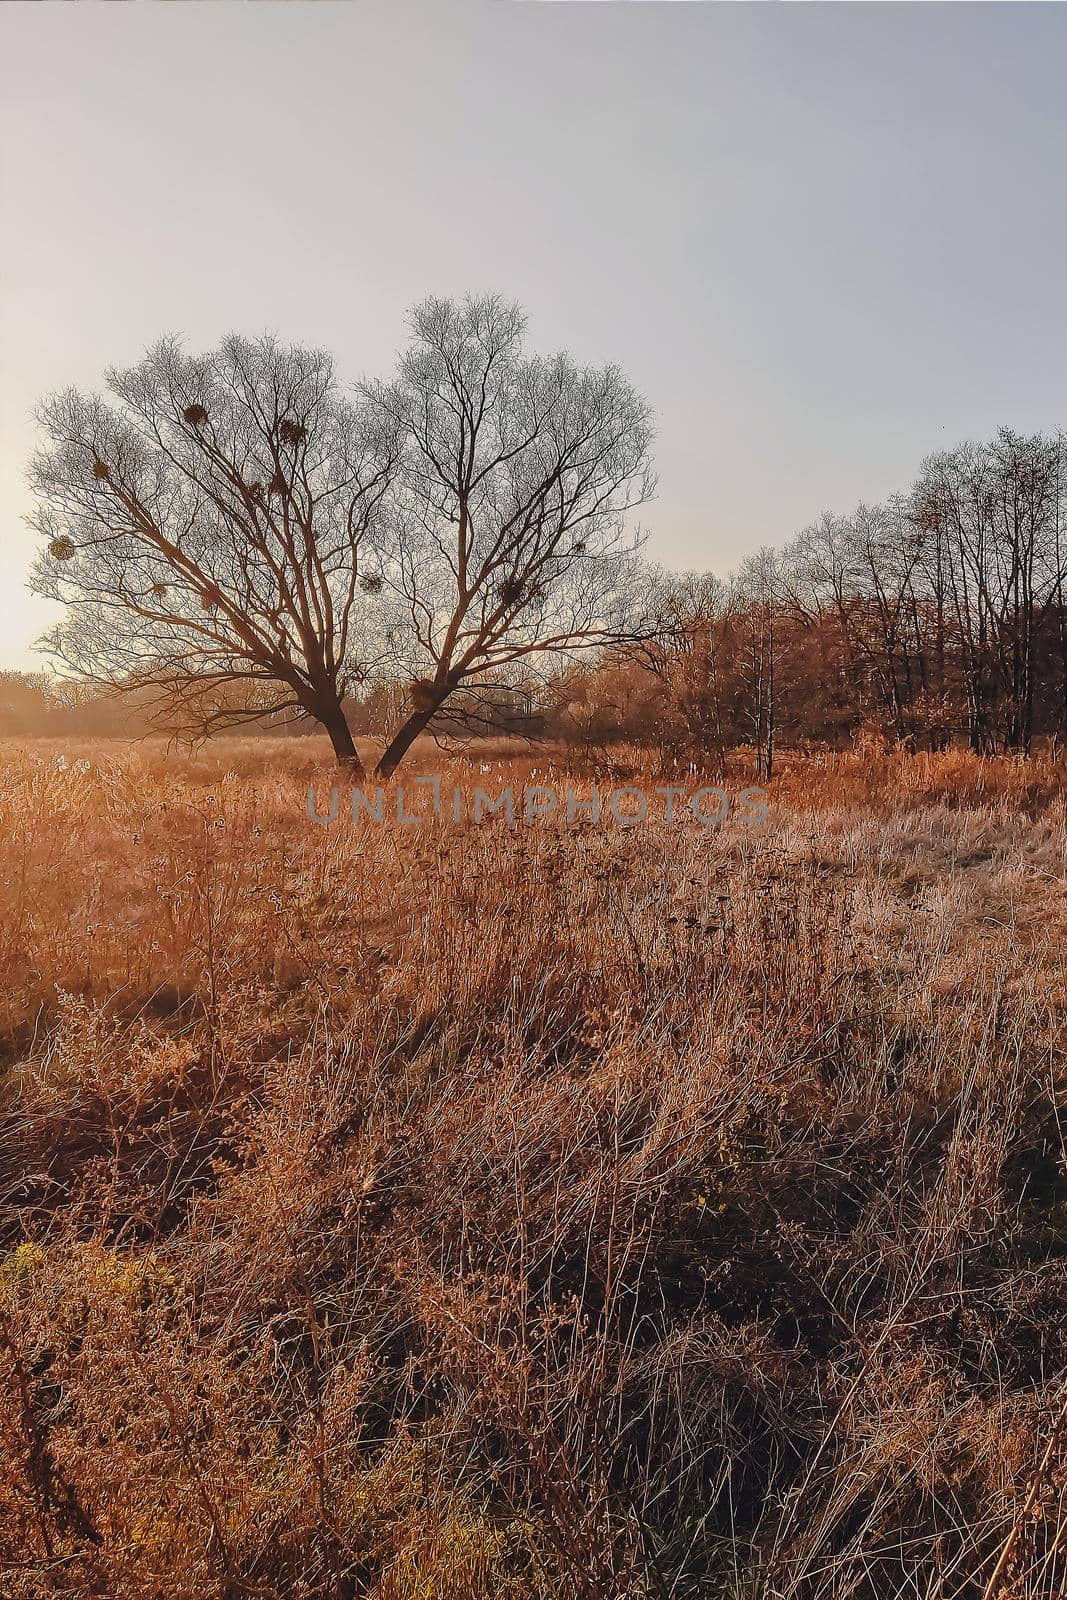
[
  {"x": 760, "y": 601},
  {"x": 995, "y": 508},
  {"x": 510, "y": 543},
  {"x": 214, "y": 533}
]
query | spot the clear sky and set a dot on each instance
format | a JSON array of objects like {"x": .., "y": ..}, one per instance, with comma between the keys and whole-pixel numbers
[{"x": 823, "y": 240}]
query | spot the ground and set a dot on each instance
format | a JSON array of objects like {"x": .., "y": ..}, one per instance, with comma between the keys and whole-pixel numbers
[{"x": 470, "y": 1210}]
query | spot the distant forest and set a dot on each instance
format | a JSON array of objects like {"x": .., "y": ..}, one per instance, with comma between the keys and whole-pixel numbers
[{"x": 937, "y": 617}]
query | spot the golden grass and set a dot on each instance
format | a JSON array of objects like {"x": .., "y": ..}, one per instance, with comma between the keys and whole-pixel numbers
[{"x": 460, "y": 1210}]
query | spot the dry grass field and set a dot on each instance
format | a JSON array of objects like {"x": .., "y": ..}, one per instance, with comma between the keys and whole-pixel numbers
[{"x": 460, "y": 1212}]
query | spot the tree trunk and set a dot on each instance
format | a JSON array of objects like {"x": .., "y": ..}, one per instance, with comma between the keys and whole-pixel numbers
[
  {"x": 344, "y": 746},
  {"x": 768, "y": 749},
  {"x": 402, "y": 742}
]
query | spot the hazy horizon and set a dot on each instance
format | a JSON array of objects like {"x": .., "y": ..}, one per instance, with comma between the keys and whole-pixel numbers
[{"x": 823, "y": 241}]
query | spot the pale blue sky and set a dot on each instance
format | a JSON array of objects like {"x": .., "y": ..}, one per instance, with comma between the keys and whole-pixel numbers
[{"x": 823, "y": 240}]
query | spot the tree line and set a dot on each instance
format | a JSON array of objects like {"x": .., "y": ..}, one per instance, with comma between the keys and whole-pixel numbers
[{"x": 937, "y": 617}]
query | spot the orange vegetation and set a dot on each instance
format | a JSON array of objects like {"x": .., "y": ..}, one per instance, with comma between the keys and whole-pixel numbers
[{"x": 469, "y": 1211}]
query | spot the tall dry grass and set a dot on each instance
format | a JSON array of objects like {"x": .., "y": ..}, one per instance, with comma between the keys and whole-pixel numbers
[{"x": 459, "y": 1211}]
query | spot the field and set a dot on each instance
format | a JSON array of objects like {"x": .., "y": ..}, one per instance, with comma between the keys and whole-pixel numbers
[{"x": 460, "y": 1211}]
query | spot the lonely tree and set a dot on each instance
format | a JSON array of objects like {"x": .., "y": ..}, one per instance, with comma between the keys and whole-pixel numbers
[{"x": 231, "y": 532}]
